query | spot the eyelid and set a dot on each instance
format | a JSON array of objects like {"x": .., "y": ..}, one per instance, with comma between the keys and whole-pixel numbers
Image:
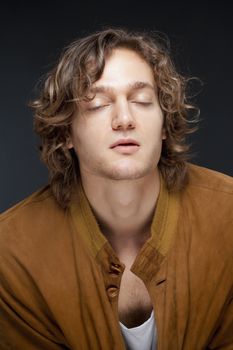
[
  {"x": 97, "y": 103},
  {"x": 142, "y": 102},
  {"x": 95, "y": 108}
]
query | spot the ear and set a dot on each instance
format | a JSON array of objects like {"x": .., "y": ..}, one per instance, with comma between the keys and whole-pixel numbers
[
  {"x": 69, "y": 144},
  {"x": 164, "y": 136}
]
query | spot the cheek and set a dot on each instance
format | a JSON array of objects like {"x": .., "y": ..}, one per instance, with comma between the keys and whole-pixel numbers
[
  {"x": 86, "y": 140},
  {"x": 154, "y": 128},
  {"x": 78, "y": 132}
]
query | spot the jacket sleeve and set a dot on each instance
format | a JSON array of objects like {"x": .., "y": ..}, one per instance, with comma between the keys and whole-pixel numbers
[
  {"x": 223, "y": 337},
  {"x": 25, "y": 320}
]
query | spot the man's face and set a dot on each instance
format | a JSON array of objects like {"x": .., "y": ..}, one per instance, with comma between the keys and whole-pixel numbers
[{"x": 125, "y": 109}]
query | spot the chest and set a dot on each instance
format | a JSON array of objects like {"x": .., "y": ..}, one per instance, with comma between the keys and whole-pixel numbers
[{"x": 134, "y": 302}]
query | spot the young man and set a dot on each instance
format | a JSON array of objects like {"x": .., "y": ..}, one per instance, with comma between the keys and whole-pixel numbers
[{"x": 130, "y": 246}]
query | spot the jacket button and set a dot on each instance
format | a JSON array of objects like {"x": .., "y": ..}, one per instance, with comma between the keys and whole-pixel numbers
[
  {"x": 115, "y": 269},
  {"x": 112, "y": 291}
]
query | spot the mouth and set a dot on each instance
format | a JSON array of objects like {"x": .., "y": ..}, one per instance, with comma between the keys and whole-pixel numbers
[
  {"x": 125, "y": 146},
  {"x": 125, "y": 143}
]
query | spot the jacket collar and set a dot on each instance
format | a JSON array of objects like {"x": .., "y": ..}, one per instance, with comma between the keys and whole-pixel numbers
[{"x": 163, "y": 228}]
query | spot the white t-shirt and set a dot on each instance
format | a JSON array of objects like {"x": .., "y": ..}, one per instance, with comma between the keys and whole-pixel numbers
[{"x": 142, "y": 337}]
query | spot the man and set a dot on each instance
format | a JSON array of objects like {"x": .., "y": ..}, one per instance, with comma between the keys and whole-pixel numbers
[{"x": 130, "y": 246}]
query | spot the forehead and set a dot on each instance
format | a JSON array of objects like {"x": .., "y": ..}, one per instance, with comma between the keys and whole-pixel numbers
[{"x": 125, "y": 68}]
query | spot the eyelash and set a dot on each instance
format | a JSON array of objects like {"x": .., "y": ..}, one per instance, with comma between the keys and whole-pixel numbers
[
  {"x": 143, "y": 103},
  {"x": 96, "y": 108}
]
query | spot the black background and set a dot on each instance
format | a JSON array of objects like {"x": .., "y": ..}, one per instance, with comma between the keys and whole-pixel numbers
[{"x": 33, "y": 34}]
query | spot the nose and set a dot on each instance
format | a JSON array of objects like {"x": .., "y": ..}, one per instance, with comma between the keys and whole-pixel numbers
[{"x": 123, "y": 118}]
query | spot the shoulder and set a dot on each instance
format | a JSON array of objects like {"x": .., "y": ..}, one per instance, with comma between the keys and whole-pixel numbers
[
  {"x": 209, "y": 189},
  {"x": 32, "y": 225},
  {"x": 208, "y": 192},
  {"x": 39, "y": 207},
  {"x": 201, "y": 177},
  {"x": 207, "y": 209},
  {"x": 38, "y": 201}
]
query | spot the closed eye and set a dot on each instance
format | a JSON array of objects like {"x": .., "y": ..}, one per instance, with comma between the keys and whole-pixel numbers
[
  {"x": 142, "y": 103},
  {"x": 96, "y": 108}
]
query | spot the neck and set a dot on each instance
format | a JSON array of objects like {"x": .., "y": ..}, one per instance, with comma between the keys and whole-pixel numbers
[{"x": 124, "y": 209}]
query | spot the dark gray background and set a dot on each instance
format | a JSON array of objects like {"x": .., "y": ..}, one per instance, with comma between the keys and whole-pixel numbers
[{"x": 33, "y": 34}]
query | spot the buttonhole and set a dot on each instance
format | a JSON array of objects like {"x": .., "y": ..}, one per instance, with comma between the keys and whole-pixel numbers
[{"x": 160, "y": 281}]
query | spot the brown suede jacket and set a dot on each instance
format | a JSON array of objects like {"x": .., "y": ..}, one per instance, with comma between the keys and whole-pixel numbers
[{"x": 60, "y": 277}]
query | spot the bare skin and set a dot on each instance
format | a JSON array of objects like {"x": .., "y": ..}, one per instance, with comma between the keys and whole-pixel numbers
[
  {"x": 124, "y": 212},
  {"x": 121, "y": 186}
]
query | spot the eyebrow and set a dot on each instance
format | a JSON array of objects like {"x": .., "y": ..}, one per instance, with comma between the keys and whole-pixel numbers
[{"x": 137, "y": 85}]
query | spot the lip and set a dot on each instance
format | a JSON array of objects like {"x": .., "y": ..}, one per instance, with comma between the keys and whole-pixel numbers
[
  {"x": 123, "y": 149},
  {"x": 124, "y": 143}
]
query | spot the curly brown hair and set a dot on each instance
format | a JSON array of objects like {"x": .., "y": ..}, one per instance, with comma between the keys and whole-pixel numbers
[{"x": 81, "y": 64}]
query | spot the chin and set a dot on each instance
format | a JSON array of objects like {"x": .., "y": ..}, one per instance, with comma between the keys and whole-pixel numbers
[{"x": 127, "y": 173}]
